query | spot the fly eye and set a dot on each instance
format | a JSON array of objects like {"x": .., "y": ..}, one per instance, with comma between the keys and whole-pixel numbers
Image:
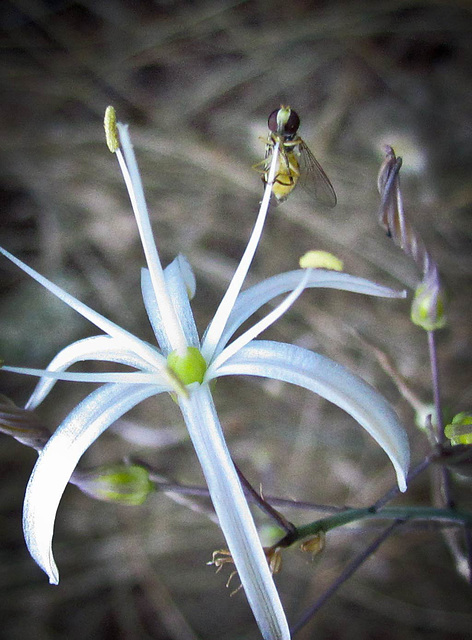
[
  {"x": 279, "y": 122},
  {"x": 273, "y": 121},
  {"x": 292, "y": 124}
]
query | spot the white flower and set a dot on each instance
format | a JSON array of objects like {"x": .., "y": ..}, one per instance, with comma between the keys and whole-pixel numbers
[{"x": 184, "y": 365}]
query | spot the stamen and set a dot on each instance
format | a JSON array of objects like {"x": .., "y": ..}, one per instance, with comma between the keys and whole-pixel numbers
[
  {"x": 260, "y": 326},
  {"x": 221, "y": 316},
  {"x": 134, "y": 185},
  {"x": 111, "y": 132}
]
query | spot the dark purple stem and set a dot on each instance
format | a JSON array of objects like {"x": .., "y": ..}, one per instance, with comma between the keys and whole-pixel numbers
[
  {"x": 435, "y": 380},
  {"x": 445, "y": 477}
]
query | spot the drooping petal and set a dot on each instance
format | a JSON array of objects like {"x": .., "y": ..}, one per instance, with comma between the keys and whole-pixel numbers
[
  {"x": 127, "y": 339},
  {"x": 233, "y": 513},
  {"x": 332, "y": 381},
  {"x": 58, "y": 459},
  {"x": 252, "y": 299},
  {"x": 95, "y": 348}
]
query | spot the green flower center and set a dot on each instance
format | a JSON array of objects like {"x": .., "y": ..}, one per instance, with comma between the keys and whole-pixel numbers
[{"x": 188, "y": 368}]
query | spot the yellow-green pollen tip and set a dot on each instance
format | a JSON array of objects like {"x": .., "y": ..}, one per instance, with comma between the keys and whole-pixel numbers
[
  {"x": 111, "y": 132},
  {"x": 188, "y": 368},
  {"x": 427, "y": 308},
  {"x": 460, "y": 429},
  {"x": 321, "y": 260}
]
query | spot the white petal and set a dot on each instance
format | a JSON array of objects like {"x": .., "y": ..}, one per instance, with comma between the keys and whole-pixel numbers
[
  {"x": 249, "y": 301},
  {"x": 233, "y": 513},
  {"x": 127, "y": 339},
  {"x": 58, "y": 459},
  {"x": 187, "y": 274},
  {"x": 95, "y": 348},
  {"x": 332, "y": 381},
  {"x": 179, "y": 285}
]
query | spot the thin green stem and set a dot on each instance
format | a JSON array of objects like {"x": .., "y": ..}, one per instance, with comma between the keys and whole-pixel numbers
[{"x": 389, "y": 513}]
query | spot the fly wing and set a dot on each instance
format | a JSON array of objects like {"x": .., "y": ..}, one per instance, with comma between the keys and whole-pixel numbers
[{"x": 313, "y": 179}]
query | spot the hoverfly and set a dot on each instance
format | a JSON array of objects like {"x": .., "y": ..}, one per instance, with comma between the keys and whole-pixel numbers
[{"x": 296, "y": 164}]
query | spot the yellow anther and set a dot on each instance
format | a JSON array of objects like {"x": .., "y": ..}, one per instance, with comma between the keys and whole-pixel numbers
[
  {"x": 111, "y": 132},
  {"x": 321, "y": 260}
]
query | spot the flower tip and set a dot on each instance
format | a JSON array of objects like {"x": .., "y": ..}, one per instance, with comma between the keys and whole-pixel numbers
[
  {"x": 321, "y": 260},
  {"x": 401, "y": 470},
  {"x": 401, "y": 480},
  {"x": 54, "y": 579},
  {"x": 50, "y": 568},
  {"x": 111, "y": 131},
  {"x": 44, "y": 560}
]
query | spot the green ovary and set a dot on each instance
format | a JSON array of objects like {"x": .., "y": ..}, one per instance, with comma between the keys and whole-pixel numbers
[{"x": 188, "y": 368}]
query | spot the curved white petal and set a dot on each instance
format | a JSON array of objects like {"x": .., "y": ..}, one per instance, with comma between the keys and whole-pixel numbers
[
  {"x": 252, "y": 299},
  {"x": 233, "y": 513},
  {"x": 127, "y": 339},
  {"x": 58, "y": 459},
  {"x": 94, "y": 348},
  {"x": 332, "y": 381}
]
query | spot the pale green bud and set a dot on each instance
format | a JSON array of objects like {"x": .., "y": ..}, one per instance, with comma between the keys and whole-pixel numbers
[
  {"x": 427, "y": 309},
  {"x": 125, "y": 484},
  {"x": 460, "y": 429}
]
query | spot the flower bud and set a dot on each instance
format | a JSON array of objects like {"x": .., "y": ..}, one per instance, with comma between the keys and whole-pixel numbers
[
  {"x": 22, "y": 424},
  {"x": 427, "y": 309},
  {"x": 460, "y": 429},
  {"x": 125, "y": 484}
]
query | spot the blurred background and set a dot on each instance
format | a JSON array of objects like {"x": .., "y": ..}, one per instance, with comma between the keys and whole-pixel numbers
[{"x": 196, "y": 81}]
